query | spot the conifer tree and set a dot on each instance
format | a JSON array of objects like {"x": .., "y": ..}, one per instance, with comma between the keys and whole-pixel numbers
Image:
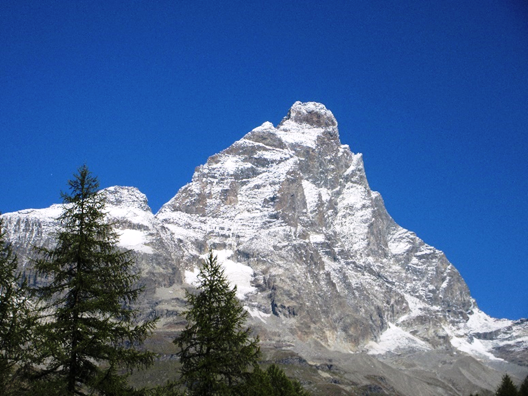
[
  {"x": 523, "y": 390},
  {"x": 506, "y": 388},
  {"x": 16, "y": 320},
  {"x": 216, "y": 350},
  {"x": 272, "y": 382},
  {"x": 90, "y": 332},
  {"x": 283, "y": 386}
]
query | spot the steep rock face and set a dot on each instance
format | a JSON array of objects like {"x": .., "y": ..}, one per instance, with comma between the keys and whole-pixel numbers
[
  {"x": 318, "y": 262},
  {"x": 294, "y": 205}
]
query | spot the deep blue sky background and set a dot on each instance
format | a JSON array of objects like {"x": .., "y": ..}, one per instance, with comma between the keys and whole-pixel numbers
[{"x": 434, "y": 94}]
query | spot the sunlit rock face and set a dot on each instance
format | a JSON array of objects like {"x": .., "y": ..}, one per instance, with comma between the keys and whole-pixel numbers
[
  {"x": 318, "y": 261},
  {"x": 293, "y": 203}
]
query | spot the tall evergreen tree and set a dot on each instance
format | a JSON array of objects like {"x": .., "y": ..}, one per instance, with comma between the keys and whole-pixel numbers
[
  {"x": 523, "y": 390},
  {"x": 506, "y": 388},
  {"x": 16, "y": 320},
  {"x": 216, "y": 350},
  {"x": 90, "y": 332}
]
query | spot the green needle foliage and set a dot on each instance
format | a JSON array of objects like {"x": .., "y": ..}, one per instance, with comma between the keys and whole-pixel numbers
[
  {"x": 90, "y": 331},
  {"x": 281, "y": 385},
  {"x": 272, "y": 382},
  {"x": 506, "y": 388},
  {"x": 523, "y": 390},
  {"x": 216, "y": 351},
  {"x": 16, "y": 321}
]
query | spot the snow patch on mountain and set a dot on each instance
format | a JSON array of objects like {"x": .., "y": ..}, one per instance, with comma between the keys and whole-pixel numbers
[
  {"x": 314, "y": 195},
  {"x": 395, "y": 340},
  {"x": 46, "y": 214},
  {"x": 479, "y": 321},
  {"x": 255, "y": 313},
  {"x": 470, "y": 345},
  {"x": 291, "y": 133},
  {"x": 417, "y": 307},
  {"x": 134, "y": 240},
  {"x": 131, "y": 214},
  {"x": 237, "y": 274},
  {"x": 401, "y": 241}
]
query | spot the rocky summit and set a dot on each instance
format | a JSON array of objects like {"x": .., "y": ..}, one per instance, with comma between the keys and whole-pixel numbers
[{"x": 327, "y": 276}]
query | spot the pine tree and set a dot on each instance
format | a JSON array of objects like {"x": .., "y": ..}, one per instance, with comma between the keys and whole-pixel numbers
[
  {"x": 258, "y": 384},
  {"x": 216, "y": 351},
  {"x": 506, "y": 388},
  {"x": 90, "y": 331},
  {"x": 523, "y": 390},
  {"x": 283, "y": 386},
  {"x": 16, "y": 320}
]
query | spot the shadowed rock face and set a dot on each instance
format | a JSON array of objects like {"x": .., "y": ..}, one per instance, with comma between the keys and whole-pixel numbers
[{"x": 316, "y": 257}]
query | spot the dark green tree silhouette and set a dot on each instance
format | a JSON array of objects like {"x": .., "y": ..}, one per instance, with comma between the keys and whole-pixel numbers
[
  {"x": 258, "y": 384},
  {"x": 16, "y": 321},
  {"x": 523, "y": 390},
  {"x": 506, "y": 388},
  {"x": 90, "y": 331},
  {"x": 216, "y": 350},
  {"x": 283, "y": 386},
  {"x": 272, "y": 382}
]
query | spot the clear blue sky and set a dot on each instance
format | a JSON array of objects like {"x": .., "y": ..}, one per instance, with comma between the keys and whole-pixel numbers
[{"x": 434, "y": 94}]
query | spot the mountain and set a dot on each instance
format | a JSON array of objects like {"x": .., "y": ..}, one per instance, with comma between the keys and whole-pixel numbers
[{"x": 325, "y": 273}]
